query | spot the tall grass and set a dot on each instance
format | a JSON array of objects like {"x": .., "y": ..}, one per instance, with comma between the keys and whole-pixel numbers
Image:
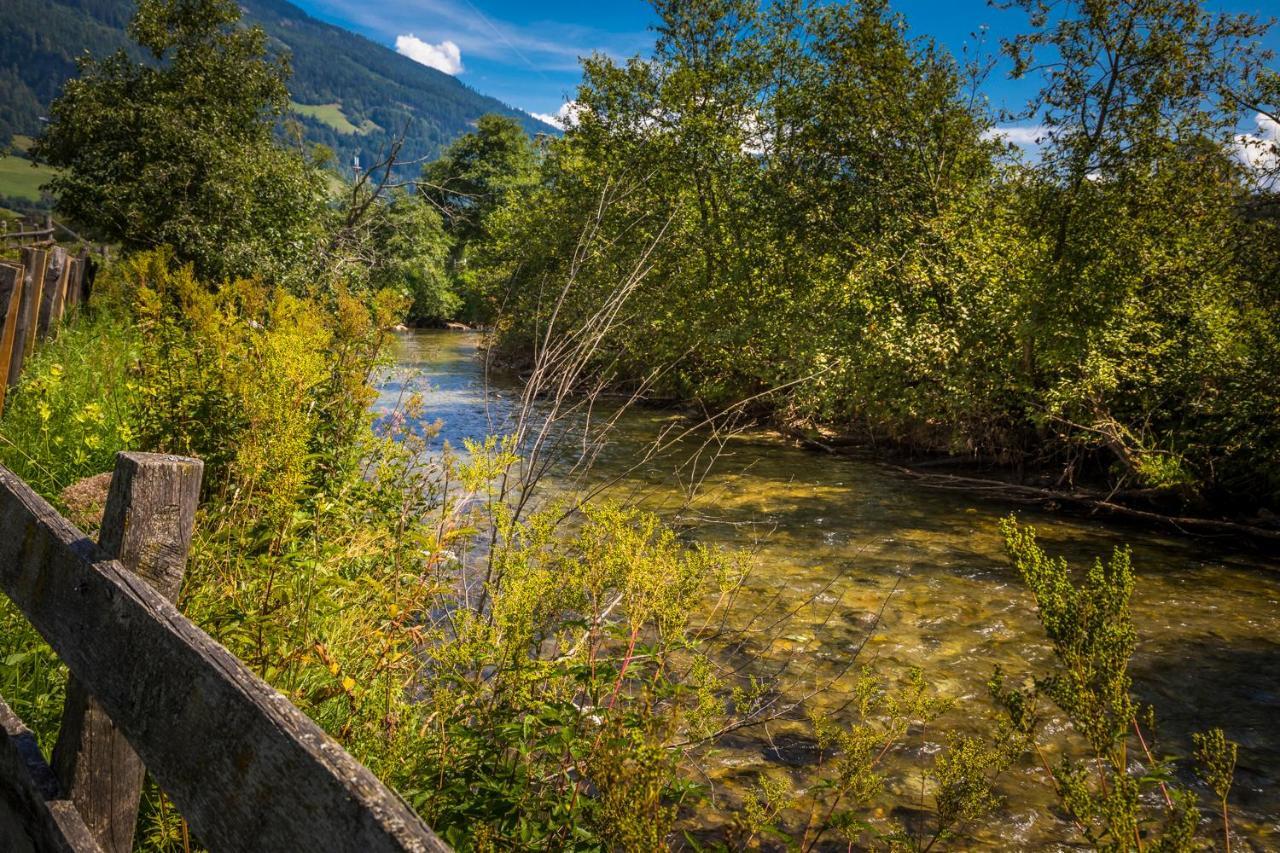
[
  {"x": 76, "y": 404},
  {"x": 65, "y": 420}
]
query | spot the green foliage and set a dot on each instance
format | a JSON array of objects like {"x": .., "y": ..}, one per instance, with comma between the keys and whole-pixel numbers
[
  {"x": 412, "y": 253},
  {"x": 1216, "y": 760},
  {"x": 796, "y": 196},
  {"x": 522, "y": 681},
  {"x": 76, "y": 404},
  {"x": 481, "y": 171},
  {"x": 478, "y": 172},
  {"x": 801, "y": 204},
  {"x": 181, "y": 151},
  {"x": 524, "y": 693},
  {"x": 1117, "y": 799},
  {"x": 556, "y": 696},
  {"x": 1092, "y": 633},
  {"x": 74, "y": 408}
]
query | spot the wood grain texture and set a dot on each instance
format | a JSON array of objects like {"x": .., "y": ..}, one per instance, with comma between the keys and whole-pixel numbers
[
  {"x": 76, "y": 280},
  {"x": 54, "y": 280},
  {"x": 31, "y": 277},
  {"x": 146, "y": 526},
  {"x": 34, "y": 816},
  {"x": 11, "y": 304},
  {"x": 36, "y": 263},
  {"x": 60, "y": 295},
  {"x": 246, "y": 768}
]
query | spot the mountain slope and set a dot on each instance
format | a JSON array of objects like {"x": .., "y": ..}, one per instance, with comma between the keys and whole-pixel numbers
[{"x": 350, "y": 93}]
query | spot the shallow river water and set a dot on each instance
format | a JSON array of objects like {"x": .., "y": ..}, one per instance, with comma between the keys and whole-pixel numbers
[{"x": 840, "y": 539}]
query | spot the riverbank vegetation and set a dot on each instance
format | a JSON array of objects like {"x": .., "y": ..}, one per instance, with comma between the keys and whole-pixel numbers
[
  {"x": 557, "y": 675},
  {"x": 523, "y": 683},
  {"x": 822, "y": 203}
]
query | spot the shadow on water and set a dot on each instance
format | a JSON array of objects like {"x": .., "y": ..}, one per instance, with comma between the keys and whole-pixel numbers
[
  {"x": 836, "y": 541},
  {"x": 1198, "y": 684}
]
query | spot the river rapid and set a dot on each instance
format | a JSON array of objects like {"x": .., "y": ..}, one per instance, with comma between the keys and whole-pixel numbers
[{"x": 837, "y": 541}]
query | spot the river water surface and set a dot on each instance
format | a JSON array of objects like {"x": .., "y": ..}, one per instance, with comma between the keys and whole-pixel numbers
[{"x": 837, "y": 541}]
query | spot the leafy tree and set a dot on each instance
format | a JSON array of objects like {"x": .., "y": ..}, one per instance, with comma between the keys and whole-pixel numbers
[
  {"x": 1136, "y": 318},
  {"x": 411, "y": 253},
  {"x": 801, "y": 204},
  {"x": 182, "y": 150},
  {"x": 477, "y": 173}
]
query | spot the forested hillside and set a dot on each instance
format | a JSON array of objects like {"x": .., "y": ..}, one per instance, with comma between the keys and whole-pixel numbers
[{"x": 351, "y": 93}]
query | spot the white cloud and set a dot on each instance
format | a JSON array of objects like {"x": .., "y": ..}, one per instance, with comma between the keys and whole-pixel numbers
[
  {"x": 760, "y": 139},
  {"x": 1260, "y": 151},
  {"x": 565, "y": 117},
  {"x": 543, "y": 46},
  {"x": 1025, "y": 136},
  {"x": 446, "y": 56}
]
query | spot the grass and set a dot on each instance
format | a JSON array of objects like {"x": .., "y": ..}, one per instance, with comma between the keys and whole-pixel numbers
[
  {"x": 332, "y": 115},
  {"x": 22, "y": 142},
  {"x": 20, "y": 179}
]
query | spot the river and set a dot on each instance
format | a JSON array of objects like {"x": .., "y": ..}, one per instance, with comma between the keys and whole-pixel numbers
[{"x": 839, "y": 539}]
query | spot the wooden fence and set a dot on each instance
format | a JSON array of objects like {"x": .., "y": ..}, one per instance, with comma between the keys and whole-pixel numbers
[
  {"x": 147, "y": 688},
  {"x": 35, "y": 294},
  {"x": 32, "y": 232}
]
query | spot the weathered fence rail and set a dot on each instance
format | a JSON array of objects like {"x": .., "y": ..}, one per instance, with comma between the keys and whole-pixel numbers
[
  {"x": 36, "y": 233},
  {"x": 247, "y": 769},
  {"x": 35, "y": 295}
]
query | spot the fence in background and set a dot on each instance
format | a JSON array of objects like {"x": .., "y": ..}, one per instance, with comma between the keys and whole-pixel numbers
[{"x": 36, "y": 293}]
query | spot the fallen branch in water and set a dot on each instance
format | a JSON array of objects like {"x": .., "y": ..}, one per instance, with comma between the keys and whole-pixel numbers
[
  {"x": 1185, "y": 524},
  {"x": 1094, "y": 501}
]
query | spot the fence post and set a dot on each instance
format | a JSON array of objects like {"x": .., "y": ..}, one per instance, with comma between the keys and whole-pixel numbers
[
  {"x": 87, "y": 277},
  {"x": 34, "y": 815},
  {"x": 76, "y": 286},
  {"x": 11, "y": 304},
  {"x": 147, "y": 526},
  {"x": 64, "y": 291},
  {"x": 34, "y": 262},
  {"x": 54, "y": 278}
]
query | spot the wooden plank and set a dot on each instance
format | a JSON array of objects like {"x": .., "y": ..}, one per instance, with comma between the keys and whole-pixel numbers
[
  {"x": 246, "y": 768},
  {"x": 33, "y": 262},
  {"x": 87, "y": 278},
  {"x": 60, "y": 294},
  {"x": 34, "y": 816},
  {"x": 73, "y": 279},
  {"x": 76, "y": 284},
  {"x": 147, "y": 525},
  {"x": 22, "y": 235},
  {"x": 11, "y": 303},
  {"x": 54, "y": 276}
]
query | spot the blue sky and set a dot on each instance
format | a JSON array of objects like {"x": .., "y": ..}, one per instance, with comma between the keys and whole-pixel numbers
[{"x": 526, "y": 53}]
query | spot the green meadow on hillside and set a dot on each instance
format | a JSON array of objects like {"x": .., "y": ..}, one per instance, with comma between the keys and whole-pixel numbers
[
  {"x": 333, "y": 116},
  {"x": 22, "y": 179}
]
